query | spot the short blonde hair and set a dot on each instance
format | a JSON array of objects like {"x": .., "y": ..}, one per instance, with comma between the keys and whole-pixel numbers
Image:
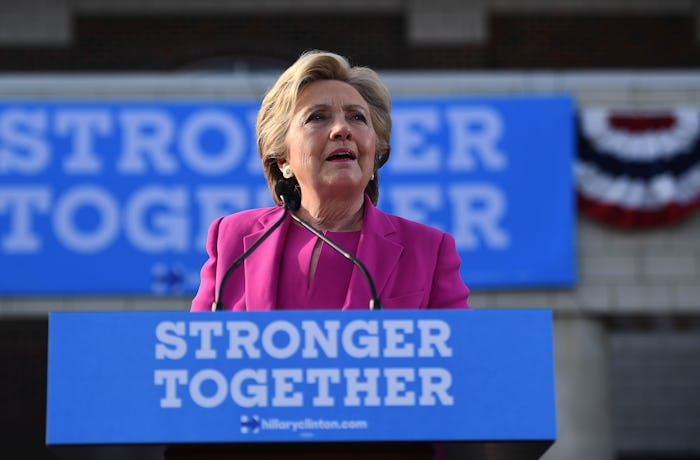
[{"x": 279, "y": 102}]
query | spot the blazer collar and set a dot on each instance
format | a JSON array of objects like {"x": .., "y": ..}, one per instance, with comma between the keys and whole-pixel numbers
[
  {"x": 378, "y": 249},
  {"x": 262, "y": 266}
]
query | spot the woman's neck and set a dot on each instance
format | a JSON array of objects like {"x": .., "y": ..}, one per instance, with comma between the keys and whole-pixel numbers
[{"x": 335, "y": 215}]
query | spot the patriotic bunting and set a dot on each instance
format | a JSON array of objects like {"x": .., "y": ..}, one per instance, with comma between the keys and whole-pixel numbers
[{"x": 638, "y": 169}]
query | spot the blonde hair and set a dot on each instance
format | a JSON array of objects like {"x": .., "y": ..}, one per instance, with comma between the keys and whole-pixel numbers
[{"x": 278, "y": 105}]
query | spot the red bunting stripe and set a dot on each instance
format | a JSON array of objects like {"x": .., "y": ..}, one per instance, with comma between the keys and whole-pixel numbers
[{"x": 634, "y": 219}]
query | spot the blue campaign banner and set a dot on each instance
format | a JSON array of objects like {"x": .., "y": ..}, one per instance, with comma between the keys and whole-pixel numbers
[
  {"x": 115, "y": 197},
  {"x": 307, "y": 376}
]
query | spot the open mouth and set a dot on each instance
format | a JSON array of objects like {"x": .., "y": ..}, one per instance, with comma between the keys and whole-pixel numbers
[{"x": 341, "y": 156}]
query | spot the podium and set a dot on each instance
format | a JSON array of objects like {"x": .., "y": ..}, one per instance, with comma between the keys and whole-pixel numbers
[{"x": 301, "y": 384}]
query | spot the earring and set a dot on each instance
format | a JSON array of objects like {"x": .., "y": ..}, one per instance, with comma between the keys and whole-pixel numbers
[
  {"x": 287, "y": 172},
  {"x": 372, "y": 178}
]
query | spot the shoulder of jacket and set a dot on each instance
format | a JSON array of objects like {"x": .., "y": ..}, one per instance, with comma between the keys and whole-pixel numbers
[
  {"x": 248, "y": 220},
  {"x": 418, "y": 229}
]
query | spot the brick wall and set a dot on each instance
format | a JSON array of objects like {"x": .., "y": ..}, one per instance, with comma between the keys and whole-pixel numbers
[
  {"x": 591, "y": 41},
  {"x": 533, "y": 40},
  {"x": 654, "y": 379}
]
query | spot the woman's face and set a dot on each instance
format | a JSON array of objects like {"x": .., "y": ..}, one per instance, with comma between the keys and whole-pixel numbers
[{"x": 331, "y": 141}]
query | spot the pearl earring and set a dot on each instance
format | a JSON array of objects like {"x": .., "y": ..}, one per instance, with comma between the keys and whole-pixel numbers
[{"x": 287, "y": 172}]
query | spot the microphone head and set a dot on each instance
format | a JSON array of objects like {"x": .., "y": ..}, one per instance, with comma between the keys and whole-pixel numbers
[{"x": 289, "y": 196}]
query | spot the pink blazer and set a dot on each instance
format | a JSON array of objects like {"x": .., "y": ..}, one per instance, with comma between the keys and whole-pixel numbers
[{"x": 412, "y": 265}]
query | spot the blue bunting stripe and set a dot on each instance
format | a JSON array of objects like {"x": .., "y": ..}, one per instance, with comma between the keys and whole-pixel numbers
[{"x": 639, "y": 169}]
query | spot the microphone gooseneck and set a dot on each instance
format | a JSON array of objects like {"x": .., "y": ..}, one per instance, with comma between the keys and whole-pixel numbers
[
  {"x": 292, "y": 201},
  {"x": 217, "y": 305}
]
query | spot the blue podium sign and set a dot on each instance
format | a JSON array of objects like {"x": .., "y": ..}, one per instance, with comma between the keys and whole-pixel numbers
[{"x": 301, "y": 376}]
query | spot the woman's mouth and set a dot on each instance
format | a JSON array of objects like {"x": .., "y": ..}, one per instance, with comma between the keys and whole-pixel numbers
[{"x": 341, "y": 155}]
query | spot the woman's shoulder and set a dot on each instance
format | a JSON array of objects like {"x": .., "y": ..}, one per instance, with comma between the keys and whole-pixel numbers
[
  {"x": 416, "y": 230},
  {"x": 248, "y": 219},
  {"x": 252, "y": 214}
]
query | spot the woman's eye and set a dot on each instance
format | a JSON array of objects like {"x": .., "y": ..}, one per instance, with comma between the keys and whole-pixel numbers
[
  {"x": 359, "y": 117},
  {"x": 315, "y": 116}
]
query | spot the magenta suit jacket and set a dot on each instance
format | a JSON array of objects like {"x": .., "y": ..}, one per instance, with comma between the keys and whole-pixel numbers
[{"x": 412, "y": 265}]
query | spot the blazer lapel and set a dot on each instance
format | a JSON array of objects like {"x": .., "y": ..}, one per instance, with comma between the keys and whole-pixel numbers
[
  {"x": 262, "y": 266},
  {"x": 378, "y": 251}
]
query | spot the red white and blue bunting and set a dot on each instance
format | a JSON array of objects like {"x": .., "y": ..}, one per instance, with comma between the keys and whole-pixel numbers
[{"x": 638, "y": 169}]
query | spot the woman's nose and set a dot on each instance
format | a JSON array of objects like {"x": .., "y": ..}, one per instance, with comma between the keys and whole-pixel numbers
[{"x": 341, "y": 130}]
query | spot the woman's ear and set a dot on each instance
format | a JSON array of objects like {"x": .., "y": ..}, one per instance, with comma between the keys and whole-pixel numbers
[{"x": 286, "y": 169}]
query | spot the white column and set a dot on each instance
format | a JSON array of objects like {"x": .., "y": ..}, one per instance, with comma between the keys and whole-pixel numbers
[{"x": 583, "y": 409}]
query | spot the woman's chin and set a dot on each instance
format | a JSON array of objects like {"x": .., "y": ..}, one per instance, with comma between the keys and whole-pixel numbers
[{"x": 345, "y": 184}]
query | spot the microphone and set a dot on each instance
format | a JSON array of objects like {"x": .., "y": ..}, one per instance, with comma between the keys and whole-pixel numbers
[
  {"x": 217, "y": 304},
  {"x": 290, "y": 198},
  {"x": 292, "y": 201}
]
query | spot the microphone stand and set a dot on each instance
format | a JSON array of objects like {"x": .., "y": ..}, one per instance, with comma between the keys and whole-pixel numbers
[
  {"x": 374, "y": 303},
  {"x": 217, "y": 305}
]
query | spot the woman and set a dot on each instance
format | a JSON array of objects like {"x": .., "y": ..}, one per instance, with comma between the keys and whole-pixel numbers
[{"x": 324, "y": 127}]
